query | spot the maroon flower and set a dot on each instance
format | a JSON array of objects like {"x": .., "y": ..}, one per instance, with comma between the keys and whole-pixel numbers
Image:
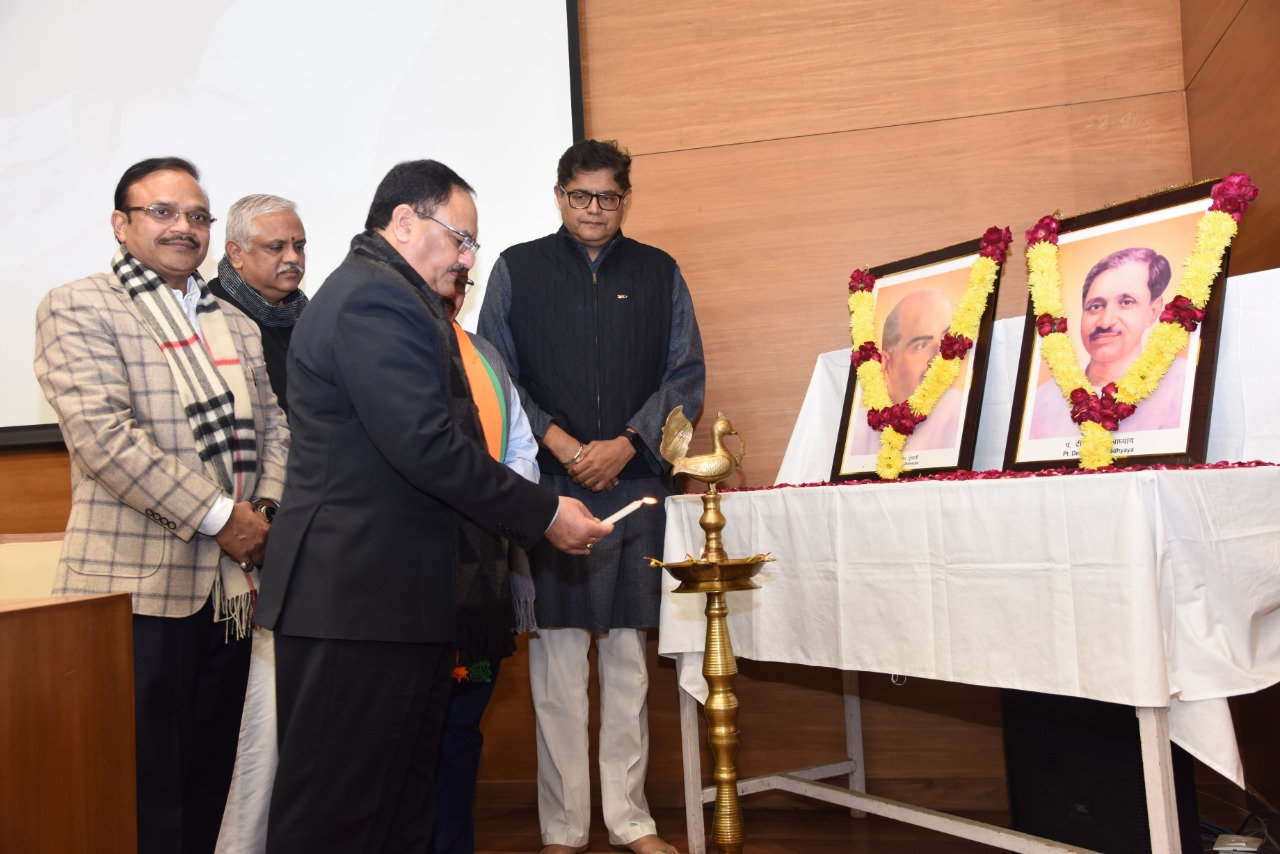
[
  {"x": 899, "y": 417},
  {"x": 1180, "y": 310},
  {"x": 1044, "y": 231},
  {"x": 1047, "y": 323},
  {"x": 868, "y": 352},
  {"x": 1102, "y": 409},
  {"x": 861, "y": 280},
  {"x": 954, "y": 346},
  {"x": 1232, "y": 195},
  {"x": 995, "y": 244}
]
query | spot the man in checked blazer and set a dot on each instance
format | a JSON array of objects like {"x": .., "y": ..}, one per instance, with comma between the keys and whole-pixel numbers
[{"x": 178, "y": 450}]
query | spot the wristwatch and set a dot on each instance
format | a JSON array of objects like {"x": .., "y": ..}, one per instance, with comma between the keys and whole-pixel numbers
[
  {"x": 634, "y": 438},
  {"x": 268, "y": 511}
]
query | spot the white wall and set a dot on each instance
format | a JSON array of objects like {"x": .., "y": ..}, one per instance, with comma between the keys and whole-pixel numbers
[{"x": 312, "y": 101}]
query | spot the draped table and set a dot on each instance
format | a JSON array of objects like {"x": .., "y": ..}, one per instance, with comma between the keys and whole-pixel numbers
[{"x": 1154, "y": 589}]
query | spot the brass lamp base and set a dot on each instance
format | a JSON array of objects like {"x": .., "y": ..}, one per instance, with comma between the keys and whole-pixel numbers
[{"x": 719, "y": 666}]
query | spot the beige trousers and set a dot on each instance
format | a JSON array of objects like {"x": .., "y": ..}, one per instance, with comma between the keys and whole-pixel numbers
[{"x": 558, "y": 676}]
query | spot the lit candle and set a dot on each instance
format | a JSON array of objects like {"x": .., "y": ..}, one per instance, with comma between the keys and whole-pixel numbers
[{"x": 630, "y": 508}]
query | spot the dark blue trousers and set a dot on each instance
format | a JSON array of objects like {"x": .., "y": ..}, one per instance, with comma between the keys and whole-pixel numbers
[{"x": 458, "y": 765}]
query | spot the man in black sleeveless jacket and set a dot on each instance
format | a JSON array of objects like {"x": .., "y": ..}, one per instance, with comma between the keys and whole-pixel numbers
[{"x": 599, "y": 334}]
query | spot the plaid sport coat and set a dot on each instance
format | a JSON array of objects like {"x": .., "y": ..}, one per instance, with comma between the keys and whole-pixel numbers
[{"x": 138, "y": 488}]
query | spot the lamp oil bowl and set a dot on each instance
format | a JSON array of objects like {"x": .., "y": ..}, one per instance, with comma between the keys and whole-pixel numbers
[{"x": 705, "y": 576}]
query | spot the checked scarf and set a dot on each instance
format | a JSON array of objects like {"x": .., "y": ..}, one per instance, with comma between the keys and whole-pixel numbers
[{"x": 211, "y": 384}]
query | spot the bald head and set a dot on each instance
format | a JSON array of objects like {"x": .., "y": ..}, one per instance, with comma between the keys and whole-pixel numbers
[{"x": 912, "y": 335}]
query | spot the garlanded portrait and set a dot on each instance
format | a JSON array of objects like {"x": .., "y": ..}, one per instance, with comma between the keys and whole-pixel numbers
[
  {"x": 919, "y": 330},
  {"x": 1118, "y": 353}
]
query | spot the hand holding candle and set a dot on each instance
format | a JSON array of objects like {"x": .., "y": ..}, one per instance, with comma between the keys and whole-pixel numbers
[{"x": 630, "y": 508}]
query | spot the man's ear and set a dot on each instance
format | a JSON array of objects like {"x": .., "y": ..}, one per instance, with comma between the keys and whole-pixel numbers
[
  {"x": 235, "y": 255},
  {"x": 118, "y": 220},
  {"x": 402, "y": 222}
]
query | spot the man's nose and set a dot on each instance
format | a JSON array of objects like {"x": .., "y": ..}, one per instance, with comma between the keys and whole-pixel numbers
[{"x": 292, "y": 255}]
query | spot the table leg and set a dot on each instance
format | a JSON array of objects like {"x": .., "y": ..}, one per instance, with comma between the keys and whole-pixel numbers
[
  {"x": 1157, "y": 772},
  {"x": 853, "y": 735},
  {"x": 691, "y": 750}
]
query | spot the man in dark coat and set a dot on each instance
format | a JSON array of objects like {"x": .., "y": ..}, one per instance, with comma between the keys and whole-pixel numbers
[{"x": 390, "y": 486}]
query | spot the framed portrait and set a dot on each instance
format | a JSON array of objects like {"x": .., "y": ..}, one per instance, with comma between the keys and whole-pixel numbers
[
  {"x": 915, "y": 300},
  {"x": 1119, "y": 267}
]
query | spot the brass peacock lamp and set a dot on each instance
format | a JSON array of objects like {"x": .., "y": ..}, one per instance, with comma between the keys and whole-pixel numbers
[{"x": 714, "y": 573}]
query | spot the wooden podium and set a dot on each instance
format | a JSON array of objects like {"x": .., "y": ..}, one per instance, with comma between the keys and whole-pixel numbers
[{"x": 66, "y": 726}]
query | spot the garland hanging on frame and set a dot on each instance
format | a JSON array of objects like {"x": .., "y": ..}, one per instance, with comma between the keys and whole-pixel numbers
[
  {"x": 895, "y": 422},
  {"x": 1100, "y": 412}
]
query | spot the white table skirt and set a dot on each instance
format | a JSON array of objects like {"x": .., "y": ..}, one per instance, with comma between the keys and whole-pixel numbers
[{"x": 1154, "y": 588}]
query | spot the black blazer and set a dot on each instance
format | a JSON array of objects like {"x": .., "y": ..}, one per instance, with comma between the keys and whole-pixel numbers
[{"x": 361, "y": 548}]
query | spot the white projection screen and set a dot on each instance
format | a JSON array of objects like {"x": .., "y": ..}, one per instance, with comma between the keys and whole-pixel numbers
[{"x": 312, "y": 101}]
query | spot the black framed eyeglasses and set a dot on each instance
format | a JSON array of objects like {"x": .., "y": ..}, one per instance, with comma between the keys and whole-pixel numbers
[
  {"x": 463, "y": 285},
  {"x": 466, "y": 243},
  {"x": 579, "y": 199},
  {"x": 169, "y": 214}
]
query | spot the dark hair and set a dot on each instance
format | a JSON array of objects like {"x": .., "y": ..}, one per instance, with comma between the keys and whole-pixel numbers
[
  {"x": 142, "y": 169},
  {"x": 1158, "y": 271},
  {"x": 589, "y": 155},
  {"x": 423, "y": 185}
]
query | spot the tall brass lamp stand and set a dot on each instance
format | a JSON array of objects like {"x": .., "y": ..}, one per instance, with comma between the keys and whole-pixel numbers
[{"x": 715, "y": 574}]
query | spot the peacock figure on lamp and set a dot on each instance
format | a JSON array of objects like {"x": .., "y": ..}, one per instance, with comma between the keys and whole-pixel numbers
[{"x": 709, "y": 468}]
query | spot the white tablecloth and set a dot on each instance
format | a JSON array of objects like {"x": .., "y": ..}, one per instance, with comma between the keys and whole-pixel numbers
[{"x": 1147, "y": 588}]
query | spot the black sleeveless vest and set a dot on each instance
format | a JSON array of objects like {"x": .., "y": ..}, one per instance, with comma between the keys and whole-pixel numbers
[{"x": 591, "y": 347}]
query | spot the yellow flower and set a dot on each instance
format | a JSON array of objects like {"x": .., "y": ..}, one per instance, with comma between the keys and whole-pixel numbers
[
  {"x": 1095, "y": 446},
  {"x": 862, "y": 307},
  {"x": 1061, "y": 356},
  {"x": 875, "y": 394},
  {"x": 937, "y": 379},
  {"x": 1043, "y": 279},
  {"x": 889, "y": 459}
]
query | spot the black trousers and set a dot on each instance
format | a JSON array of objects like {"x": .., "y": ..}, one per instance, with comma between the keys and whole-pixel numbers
[
  {"x": 359, "y": 731},
  {"x": 189, "y": 684}
]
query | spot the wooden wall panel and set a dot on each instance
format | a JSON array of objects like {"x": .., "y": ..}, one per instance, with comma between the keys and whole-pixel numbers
[
  {"x": 1233, "y": 116},
  {"x": 674, "y": 75},
  {"x": 1203, "y": 23},
  {"x": 36, "y": 497},
  {"x": 768, "y": 233}
]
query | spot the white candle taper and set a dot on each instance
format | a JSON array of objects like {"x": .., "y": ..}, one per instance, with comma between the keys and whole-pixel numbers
[{"x": 630, "y": 508}]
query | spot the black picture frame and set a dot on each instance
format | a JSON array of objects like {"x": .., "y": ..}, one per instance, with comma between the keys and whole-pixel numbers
[
  {"x": 921, "y": 271},
  {"x": 1165, "y": 222}
]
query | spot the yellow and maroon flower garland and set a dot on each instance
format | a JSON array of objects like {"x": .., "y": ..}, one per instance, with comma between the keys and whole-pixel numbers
[
  {"x": 897, "y": 421},
  {"x": 1099, "y": 413}
]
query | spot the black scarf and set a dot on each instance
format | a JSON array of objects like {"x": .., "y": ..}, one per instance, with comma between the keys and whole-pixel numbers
[
  {"x": 485, "y": 619},
  {"x": 251, "y": 302}
]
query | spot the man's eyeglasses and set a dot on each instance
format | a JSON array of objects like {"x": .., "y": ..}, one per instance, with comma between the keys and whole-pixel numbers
[
  {"x": 168, "y": 214},
  {"x": 463, "y": 285},
  {"x": 466, "y": 243},
  {"x": 582, "y": 199}
]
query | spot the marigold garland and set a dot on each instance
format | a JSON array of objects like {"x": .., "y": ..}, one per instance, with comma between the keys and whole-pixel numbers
[
  {"x": 1099, "y": 413},
  {"x": 897, "y": 421}
]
